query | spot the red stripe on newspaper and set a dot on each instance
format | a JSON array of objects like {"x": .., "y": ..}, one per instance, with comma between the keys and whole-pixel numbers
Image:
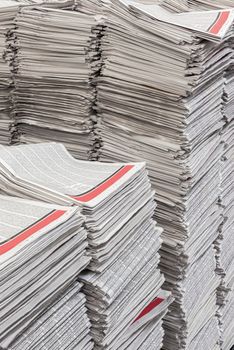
[
  {"x": 149, "y": 308},
  {"x": 6, "y": 247},
  {"x": 104, "y": 186},
  {"x": 222, "y": 19}
]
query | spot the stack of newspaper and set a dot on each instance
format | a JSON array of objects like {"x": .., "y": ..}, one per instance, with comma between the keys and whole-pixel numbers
[
  {"x": 42, "y": 251},
  {"x": 225, "y": 241},
  {"x": 64, "y": 325},
  {"x": 8, "y": 10},
  {"x": 160, "y": 99},
  {"x": 123, "y": 287},
  {"x": 54, "y": 61}
]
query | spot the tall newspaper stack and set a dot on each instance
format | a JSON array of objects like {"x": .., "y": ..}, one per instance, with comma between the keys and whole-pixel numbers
[
  {"x": 42, "y": 251},
  {"x": 225, "y": 241},
  {"x": 160, "y": 99},
  {"x": 8, "y": 10},
  {"x": 123, "y": 285},
  {"x": 54, "y": 62}
]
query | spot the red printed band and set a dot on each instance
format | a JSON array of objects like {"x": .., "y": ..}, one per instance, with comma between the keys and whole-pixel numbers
[
  {"x": 219, "y": 23},
  {"x": 40, "y": 224},
  {"x": 149, "y": 308},
  {"x": 99, "y": 189}
]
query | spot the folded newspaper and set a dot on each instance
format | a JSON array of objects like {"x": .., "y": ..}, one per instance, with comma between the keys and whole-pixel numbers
[
  {"x": 123, "y": 282},
  {"x": 42, "y": 251}
]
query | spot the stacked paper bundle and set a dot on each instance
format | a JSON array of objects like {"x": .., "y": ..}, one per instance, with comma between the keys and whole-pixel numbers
[
  {"x": 8, "y": 10},
  {"x": 124, "y": 297},
  {"x": 160, "y": 100},
  {"x": 225, "y": 251},
  {"x": 42, "y": 251},
  {"x": 225, "y": 241},
  {"x": 54, "y": 63},
  {"x": 64, "y": 325}
]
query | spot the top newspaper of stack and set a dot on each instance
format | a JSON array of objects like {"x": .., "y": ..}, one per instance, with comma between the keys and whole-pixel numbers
[
  {"x": 212, "y": 25},
  {"x": 25, "y": 170},
  {"x": 32, "y": 220}
]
